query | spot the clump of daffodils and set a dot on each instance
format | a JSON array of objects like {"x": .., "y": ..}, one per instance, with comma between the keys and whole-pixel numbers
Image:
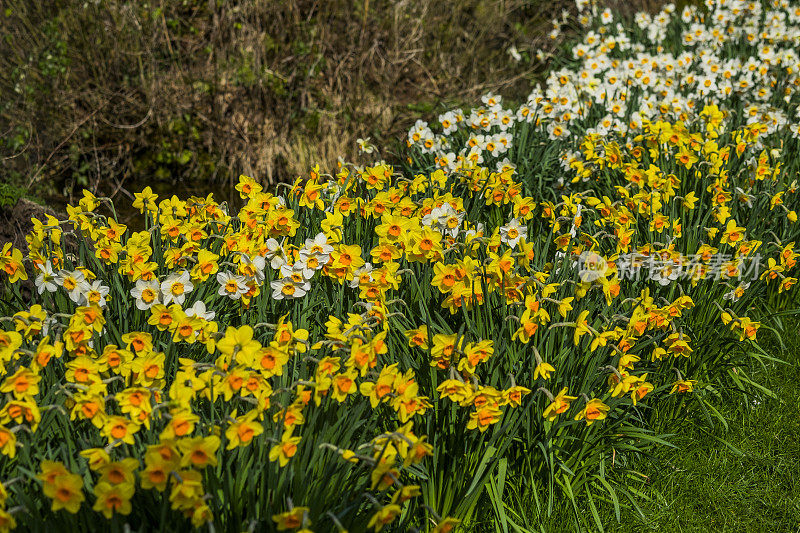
[
  {"x": 317, "y": 359},
  {"x": 735, "y": 60}
]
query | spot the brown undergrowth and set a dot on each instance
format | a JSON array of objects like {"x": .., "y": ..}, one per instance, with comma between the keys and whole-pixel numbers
[{"x": 186, "y": 95}]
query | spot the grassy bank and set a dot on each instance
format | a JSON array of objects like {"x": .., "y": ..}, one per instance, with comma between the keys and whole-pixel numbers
[
  {"x": 745, "y": 477},
  {"x": 109, "y": 94}
]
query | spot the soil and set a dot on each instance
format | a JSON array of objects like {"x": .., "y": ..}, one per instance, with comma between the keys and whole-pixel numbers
[{"x": 16, "y": 222}]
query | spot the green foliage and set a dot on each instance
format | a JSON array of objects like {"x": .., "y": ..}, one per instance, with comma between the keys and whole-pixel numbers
[
  {"x": 740, "y": 478},
  {"x": 10, "y": 195},
  {"x": 703, "y": 412}
]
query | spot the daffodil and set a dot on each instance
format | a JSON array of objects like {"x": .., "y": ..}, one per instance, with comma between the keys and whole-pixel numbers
[
  {"x": 243, "y": 430},
  {"x": 175, "y": 287},
  {"x": 199, "y": 452},
  {"x": 683, "y": 386},
  {"x": 594, "y": 410},
  {"x": 285, "y": 449},
  {"x": 512, "y": 232},
  {"x": 384, "y": 516},
  {"x": 46, "y": 278},
  {"x": 64, "y": 488},
  {"x": 145, "y": 201},
  {"x": 582, "y": 326},
  {"x": 292, "y": 519},
  {"x": 238, "y": 342}
]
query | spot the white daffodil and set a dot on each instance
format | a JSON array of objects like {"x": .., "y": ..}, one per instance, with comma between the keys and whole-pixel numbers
[
  {"x": 95, "y": 293},
  {"x": 512, "y": 232},
  {"x": 365, "y": 145},
  {"x": 46, "y": 280},
  {"x": 252, "y": 267},
  {"x": 287, "y": 288},
  {"x": 362, "y": 275},
  {"x": 307, "y": 266},
  {"x": 445, "y": 219},
  {"x": 666, "y": 273},
  {"x": 451, "y": 224},
  {"x": 199, "y": 310},
  {"x": 295, "y": 272},
  {"x": 736, "y": 293},
  {"x": 233, "y": 286},
  {"x": 317, "y": 246},
  {"x": 146, "y": 294},
  {"x": 276, "y": 255},
  {"x": 71, "y": 281},
  {"x": 175, "y": 287}
]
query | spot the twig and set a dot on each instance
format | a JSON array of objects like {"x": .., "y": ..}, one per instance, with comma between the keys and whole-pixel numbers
[
  {"x": 62, "y": 143},
  {"x": 129, "y": 126}
]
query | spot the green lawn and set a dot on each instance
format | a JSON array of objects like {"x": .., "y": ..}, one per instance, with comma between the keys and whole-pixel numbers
[{"x": 751, "y": 485}]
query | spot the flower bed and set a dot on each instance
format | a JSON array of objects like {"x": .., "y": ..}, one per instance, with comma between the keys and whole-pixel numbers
[{"x": 387, "y": 347}]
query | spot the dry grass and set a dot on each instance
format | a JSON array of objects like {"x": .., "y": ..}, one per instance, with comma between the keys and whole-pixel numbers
[
  {"x": 111, "y": 95},
  {"x": 104, "y": 94}
]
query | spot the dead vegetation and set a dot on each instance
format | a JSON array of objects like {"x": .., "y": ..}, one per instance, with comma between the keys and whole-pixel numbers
[
  {"x": 106, "y": 94},
  {"x": 187, "y": 94}
]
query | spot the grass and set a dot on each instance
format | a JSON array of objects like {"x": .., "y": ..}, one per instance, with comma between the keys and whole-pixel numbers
[{"x": 752, "y": 483}]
